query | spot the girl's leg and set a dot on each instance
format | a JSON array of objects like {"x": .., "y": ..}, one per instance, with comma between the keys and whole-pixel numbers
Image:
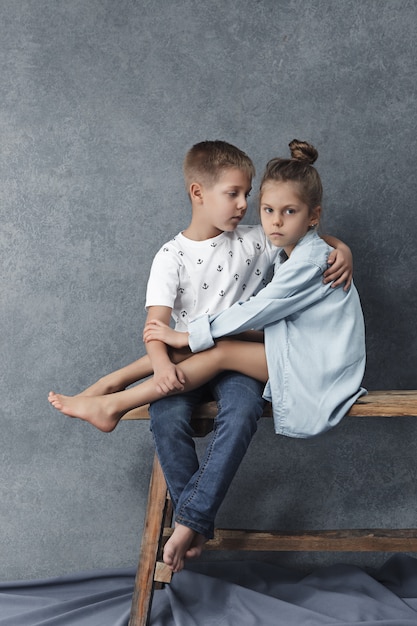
[
  {"x": 129, "y": 374},
  {"x": 121, "y": 378},
  {"x": 105, "y": 411}
]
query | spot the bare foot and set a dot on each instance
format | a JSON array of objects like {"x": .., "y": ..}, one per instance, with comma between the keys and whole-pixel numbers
[
  {"x": 196, "y": 547},
  {"x": 182, "y": 541},
  {"x": 96, "y": 410}
]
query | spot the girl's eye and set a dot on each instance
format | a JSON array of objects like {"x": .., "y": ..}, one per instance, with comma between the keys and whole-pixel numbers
[{"x": 290, "y": 211}]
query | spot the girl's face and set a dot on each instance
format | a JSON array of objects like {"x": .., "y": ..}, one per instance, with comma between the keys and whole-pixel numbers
[{"x": 284, "y": 216}]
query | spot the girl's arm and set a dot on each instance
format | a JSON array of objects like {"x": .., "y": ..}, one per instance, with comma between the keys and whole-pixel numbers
[
  {"x": 155, "y": 330},
  {"x": 294, "y": 286}
]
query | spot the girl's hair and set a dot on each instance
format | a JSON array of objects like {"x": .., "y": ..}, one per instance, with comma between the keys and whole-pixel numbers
[
  {"x": 206, "y": 161},
  {"x": 299, "y": 170}
]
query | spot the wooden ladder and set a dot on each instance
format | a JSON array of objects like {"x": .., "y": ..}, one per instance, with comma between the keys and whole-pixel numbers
[{"x": 152, "y": 572}]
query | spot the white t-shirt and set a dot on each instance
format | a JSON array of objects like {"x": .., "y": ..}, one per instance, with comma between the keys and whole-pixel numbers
[{"x": 205, "y": 277}]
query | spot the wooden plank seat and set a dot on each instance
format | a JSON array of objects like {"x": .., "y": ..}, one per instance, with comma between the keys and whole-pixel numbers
[{"x": 152, "y": 571}]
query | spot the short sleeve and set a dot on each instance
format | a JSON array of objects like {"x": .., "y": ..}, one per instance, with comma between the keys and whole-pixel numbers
[{"x": 163, "y": 279}]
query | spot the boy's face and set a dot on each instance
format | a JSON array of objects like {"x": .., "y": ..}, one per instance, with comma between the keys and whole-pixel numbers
[{"x": 223, "y": 204}]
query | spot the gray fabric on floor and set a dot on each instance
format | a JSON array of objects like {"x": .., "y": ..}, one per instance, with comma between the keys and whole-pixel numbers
[{"x": 223, "y": 594}]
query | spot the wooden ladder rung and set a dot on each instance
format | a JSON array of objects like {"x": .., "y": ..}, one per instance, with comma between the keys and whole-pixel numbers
[
  {"x": 394, "y": 403},
  {"x": 346, "y": 540},
  {"x": 349, "y": 540}
]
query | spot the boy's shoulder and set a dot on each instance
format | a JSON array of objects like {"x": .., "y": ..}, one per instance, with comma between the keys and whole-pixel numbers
[{"x": 171, "y": 243}]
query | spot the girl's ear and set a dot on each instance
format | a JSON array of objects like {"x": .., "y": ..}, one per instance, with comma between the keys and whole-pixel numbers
[
  {"x": 196, "y": 192},
  {"x": 315, "y": 216}
]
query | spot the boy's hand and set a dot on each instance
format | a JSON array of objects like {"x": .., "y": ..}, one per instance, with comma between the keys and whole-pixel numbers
[
  {"x": 169, "y": 378},
  {"x": 341, "y": 268},
  {"x": 155, "y": 330}
]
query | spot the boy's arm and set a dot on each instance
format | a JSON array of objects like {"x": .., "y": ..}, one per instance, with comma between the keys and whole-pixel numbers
[
  {"x": 341, "y": 263},
  {"x": 158, "y": 330},
  {"x": 167, "y": 376}
]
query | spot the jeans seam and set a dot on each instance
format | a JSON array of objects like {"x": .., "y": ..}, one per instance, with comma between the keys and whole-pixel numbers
[{"x": 200, "y": 472}]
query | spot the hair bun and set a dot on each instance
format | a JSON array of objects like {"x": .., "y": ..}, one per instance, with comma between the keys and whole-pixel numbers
[{"x": 303, "y": 151}]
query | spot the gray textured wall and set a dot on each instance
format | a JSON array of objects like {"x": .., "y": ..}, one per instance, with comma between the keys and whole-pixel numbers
[{"x": 100, "y": 99}]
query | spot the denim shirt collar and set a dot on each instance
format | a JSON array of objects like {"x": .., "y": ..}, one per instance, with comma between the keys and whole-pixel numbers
[{"x": 283, "y": 256}]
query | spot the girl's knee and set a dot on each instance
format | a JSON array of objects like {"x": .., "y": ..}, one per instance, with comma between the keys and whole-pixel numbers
[{"x": 223, "y": 349}]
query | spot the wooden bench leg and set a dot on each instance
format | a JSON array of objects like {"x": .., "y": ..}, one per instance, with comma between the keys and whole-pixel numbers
[{"x": 158, "y": 514}]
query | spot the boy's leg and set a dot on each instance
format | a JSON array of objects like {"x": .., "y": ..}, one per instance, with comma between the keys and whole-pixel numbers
[
  {"x": 174, "y": 439},
  {"x": 240, "y": 405}
]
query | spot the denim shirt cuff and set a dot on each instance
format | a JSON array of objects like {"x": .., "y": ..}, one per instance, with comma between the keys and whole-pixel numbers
[{"x": 199, "y": 334}]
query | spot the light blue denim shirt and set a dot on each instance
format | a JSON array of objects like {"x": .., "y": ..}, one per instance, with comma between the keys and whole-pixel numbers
[{"x": 314, "y": 340}]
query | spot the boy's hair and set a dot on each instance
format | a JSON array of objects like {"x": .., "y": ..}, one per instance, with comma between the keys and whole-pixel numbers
[
  {"x": 206, "y": 161},
  {"x": 299, "y": 170}
]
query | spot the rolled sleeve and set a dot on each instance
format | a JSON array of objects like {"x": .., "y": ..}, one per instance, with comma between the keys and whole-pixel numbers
[{"x": 199, "y": 334}]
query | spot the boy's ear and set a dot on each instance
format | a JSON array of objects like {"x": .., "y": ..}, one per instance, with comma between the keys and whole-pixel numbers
[
  {"x": 315, "y": 216},
  {"x": 196, "y": 192}
]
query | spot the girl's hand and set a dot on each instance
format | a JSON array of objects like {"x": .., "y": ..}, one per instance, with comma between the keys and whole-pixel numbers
[
  {"x": 155, "y": 330},
  {"x": 341, "y": 268}
]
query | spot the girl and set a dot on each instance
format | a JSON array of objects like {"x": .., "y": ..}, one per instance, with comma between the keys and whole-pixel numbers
[{"x": 313, "y": 358}]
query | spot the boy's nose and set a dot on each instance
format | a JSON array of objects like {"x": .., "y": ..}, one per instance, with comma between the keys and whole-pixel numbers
[{"x": 243, "y": 203}]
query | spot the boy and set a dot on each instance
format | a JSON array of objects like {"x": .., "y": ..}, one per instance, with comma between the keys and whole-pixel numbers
[{"x": 207, "y": 267}]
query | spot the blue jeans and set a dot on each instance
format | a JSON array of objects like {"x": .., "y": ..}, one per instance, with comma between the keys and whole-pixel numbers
[{"x": 198, "y": 488}]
